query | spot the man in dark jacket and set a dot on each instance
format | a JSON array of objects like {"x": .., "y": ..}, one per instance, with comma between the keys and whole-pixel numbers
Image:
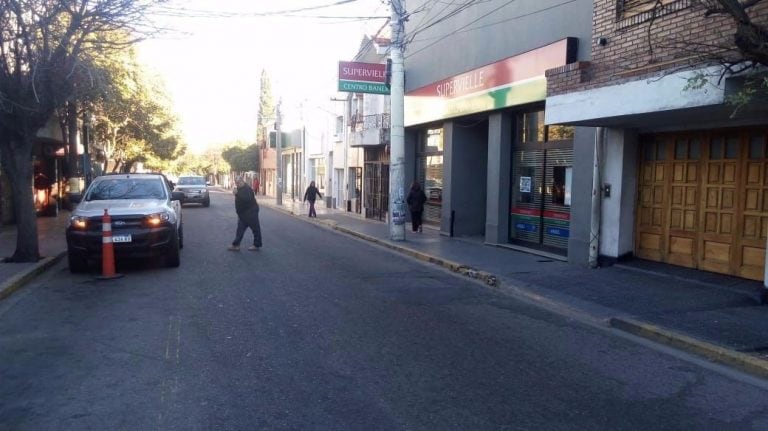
[
  {"x": 247, "y": 215},
  {"x": 311, "y": 195}
]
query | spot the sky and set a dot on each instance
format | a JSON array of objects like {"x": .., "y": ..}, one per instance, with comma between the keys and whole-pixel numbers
[{"x": 212, "y": 61}]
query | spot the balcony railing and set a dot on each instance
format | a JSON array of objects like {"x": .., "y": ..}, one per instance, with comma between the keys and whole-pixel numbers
[{"x": 367, "y": 122}]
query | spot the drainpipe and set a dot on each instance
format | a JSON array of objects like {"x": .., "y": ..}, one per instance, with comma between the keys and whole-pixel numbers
[{"x": 594, "y": 229}]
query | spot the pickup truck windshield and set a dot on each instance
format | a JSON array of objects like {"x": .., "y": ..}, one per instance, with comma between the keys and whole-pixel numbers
[{"x": 123, "y": 188}]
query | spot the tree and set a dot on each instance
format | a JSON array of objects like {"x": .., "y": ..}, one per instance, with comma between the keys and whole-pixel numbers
[
  {"x": 242, "y": 159},
  {"x": 46, "y": 49},
  {"x": 134, "y": 121},
  {"x": 266, "y": 110}
]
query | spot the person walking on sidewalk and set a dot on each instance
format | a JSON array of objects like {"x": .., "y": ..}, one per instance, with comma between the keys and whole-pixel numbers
[
  {"x": 256, "y": 185},
  {"x": 247, "y": 215},
  {"x": 415, "y": 200},
  {"x": 311, "y": 195}
]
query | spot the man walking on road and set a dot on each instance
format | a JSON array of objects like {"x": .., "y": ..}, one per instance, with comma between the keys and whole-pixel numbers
[
  {"x": 311, "y": 195},
  {"x": 247, "y": 215}
]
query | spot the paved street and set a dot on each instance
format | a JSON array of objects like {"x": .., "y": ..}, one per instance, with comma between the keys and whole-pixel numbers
[{"x": 322, "y": 331}]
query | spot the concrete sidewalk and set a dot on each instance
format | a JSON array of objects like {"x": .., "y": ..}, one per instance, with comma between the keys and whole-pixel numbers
[
  {"x": 716, "y": 316},
  {"x": 712, "y": 315},
  {"x": 52, "y": 244}
]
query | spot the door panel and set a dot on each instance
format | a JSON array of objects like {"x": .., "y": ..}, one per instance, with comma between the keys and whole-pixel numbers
[
  {"x": 703, "y": 201},
  {"x": 541, "y": 198},
  {"x": 754, "y": 209},
  {"x": 720, "y": 209},
  {"x": 651, "y": 230},
  {"x": 684, "y": 203}
]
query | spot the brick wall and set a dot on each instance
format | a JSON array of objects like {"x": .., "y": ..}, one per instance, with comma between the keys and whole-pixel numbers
[{"x": 669, "y": 39}]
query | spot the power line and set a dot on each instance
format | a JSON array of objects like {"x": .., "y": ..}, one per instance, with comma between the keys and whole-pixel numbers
[
  {"x": 424, "y": 7},
  {"x": 464, "y": 28},
  {"x": 207, "y": 13},
  {"x": 462, "y": 7}
]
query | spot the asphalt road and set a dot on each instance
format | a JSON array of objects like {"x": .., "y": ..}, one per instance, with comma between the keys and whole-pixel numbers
[{"x": 318, "y": 331}]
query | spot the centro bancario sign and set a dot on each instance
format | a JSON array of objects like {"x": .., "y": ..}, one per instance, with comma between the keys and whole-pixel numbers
[{"x": 356, "y": 77}]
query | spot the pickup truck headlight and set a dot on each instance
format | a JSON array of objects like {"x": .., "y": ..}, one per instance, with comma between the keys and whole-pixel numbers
[
  {"x": 78, "y": 222},
  {"x": 158, "y": 219}
]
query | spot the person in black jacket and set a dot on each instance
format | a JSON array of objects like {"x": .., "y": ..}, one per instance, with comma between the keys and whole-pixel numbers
[
  {"x": 247, "y": 215},
  {"x": 415, "y": 200},
  {"x": 311, "y": 195}
]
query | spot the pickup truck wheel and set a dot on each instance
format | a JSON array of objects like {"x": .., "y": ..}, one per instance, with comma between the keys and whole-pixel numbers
[
  {"x": 77, "y": 263},
  {"x": 173, "y": 258}
]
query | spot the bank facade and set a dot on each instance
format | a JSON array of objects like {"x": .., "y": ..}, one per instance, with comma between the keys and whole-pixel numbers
[{"x": 476, "y": 136}]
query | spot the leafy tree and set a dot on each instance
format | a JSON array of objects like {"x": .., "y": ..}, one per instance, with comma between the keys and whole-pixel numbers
[
  {"x": 47, "y": 48},
  {"x": 134, "y": 122},
  {"x": 242, "y": 159},
  {"x": 266, "y": 110}
]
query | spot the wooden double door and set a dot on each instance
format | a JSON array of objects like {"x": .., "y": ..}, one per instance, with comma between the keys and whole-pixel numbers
[{"x": 703, "y": 200}]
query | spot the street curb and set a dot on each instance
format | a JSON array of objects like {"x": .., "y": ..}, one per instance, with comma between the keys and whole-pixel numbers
[
  {"x": 468, "y": 271},
  {"x": 19, "y": 280},
  {"x": 486, "y": 277},
  {"x": 712, "y": 352}
]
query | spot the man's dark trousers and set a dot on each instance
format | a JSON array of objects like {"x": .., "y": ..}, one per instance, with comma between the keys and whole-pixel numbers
[{"x": 249, "y": 219}]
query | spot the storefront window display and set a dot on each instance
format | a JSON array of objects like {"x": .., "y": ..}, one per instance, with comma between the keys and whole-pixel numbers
[
  {"x": 430, "y": 172},
  {"x": 541, "y": 183}
]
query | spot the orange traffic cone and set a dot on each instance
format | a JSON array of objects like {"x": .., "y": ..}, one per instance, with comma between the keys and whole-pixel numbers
[{"x": 107, "y": 249}]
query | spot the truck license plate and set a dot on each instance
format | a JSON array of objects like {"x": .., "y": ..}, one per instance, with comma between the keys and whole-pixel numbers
[{"x": 121, "y": 238}]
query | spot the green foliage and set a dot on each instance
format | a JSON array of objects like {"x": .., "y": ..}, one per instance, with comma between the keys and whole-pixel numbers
[
  {"x": 242, "y": 159},
  {"x": 210, "y": 163},
  {"x": 754, "y": 88},
  {"x": 696, "y": 82},
  {"x": 50, "y": 52},
  {"x": 134, "y": 120}
]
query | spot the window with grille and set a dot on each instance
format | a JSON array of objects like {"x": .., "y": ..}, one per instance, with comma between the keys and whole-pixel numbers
[{"x": 629, "y": 8}]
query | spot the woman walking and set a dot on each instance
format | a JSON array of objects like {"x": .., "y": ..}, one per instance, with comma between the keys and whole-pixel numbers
[
  {"x": 311, "y": 195},
  {"x": 415, "y": 200}
]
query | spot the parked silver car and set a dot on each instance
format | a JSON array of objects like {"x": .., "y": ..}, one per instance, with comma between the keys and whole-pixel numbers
[
  {"x": 146, "y": 220},
  {"x": 195, "y": 190}
]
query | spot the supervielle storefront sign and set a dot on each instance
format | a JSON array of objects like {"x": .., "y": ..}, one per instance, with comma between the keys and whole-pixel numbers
[
  {"x": 356, "y": 77},
  {"x": 513, "y": 81}
]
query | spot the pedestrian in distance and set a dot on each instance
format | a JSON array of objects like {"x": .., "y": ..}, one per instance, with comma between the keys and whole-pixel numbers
[
  {"x": 310, "y": 196},
  {"x": 256, "y": 185},
  {"x": 415, "y": 200},
  {"x": 247, "y": 210}
]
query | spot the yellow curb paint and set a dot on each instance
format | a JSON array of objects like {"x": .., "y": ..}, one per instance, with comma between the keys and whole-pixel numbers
[
  {"x": 18, "y": 281},
  {"x": 712, "y": 352}
]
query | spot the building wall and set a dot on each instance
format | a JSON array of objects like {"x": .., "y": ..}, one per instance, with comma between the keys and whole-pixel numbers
[
  {"x": 637, "y": 81},
  {"x": 619, "y": 173},
  {"x": 487, "y": 32},
  {"x": 465, "y": 178},
  {"x": 499, "y": 171},
  {"x": 581, "y": 200},
  {"x": 630, "y": 52}
]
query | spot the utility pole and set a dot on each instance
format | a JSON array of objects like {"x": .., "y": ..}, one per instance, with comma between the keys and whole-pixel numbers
[
  {"x": 279, "y": 157},
  {"x": 397, "y": 126}
]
